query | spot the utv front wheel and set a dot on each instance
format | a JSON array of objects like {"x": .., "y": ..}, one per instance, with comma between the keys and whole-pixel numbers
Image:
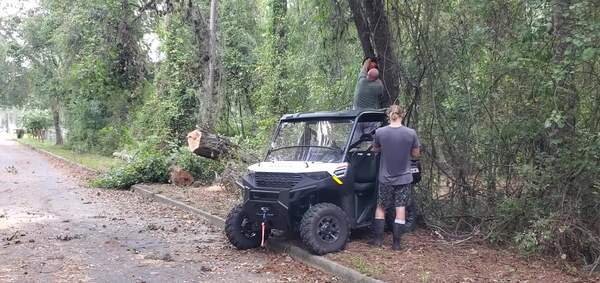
[
  {"x": 241, "y": 232},
  {"x": 324, "y": 228}
]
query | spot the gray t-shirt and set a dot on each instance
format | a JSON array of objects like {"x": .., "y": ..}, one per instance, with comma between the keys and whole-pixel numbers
[
  {"x": 395, "y": 145},
  {"x": 367, "y": 94}
]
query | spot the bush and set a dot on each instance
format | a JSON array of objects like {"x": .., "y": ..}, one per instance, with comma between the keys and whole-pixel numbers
[
  {"x": 188, "y": 162},
  {"x": 150, "y": 164},
  {"x": 146, "y": 167},
  {"x": 36, "y": 121},
  {"x": 112, "y": 138},
  {"x": 562, "y": 197},
  {"x": 547, "y": 202},
  {"x": 203, "y": 169}
]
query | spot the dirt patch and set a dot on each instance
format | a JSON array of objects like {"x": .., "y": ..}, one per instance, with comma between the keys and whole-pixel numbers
[
  {"x": 214, "y": 199},
  {"x": 424, "y": 258}
]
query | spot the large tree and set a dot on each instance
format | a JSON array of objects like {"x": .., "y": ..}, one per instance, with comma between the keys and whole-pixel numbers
[
  {"x": 33, "y": 44},
  {"x": 372, "y": 25}
]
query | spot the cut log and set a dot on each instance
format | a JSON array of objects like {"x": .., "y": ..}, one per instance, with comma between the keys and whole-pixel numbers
[
  {"x": 180, "y": 177},
  {"x": 208, "y": 144},
  {"x": 213, "y": 146}
]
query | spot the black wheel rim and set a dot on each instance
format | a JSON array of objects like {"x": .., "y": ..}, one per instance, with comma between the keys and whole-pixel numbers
[
  {"x": 328, "y": 229},
  {"x": 248, "y": 228}
]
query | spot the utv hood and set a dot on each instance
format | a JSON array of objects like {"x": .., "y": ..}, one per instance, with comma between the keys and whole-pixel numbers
[{"x": 296, "y": 167}]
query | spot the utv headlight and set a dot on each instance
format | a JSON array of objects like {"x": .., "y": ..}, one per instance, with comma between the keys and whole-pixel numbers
[{"x": 340, "y": 171}]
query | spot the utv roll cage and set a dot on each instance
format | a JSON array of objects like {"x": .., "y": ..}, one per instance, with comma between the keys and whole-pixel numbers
[{"x": 321, "y": 200}]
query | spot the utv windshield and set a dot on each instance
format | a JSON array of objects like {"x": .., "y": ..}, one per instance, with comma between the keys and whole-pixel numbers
[{"x": 311, "y": 140}]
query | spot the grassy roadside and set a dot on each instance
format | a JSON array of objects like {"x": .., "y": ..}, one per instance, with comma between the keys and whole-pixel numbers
[{"x": 93, "y": 161}]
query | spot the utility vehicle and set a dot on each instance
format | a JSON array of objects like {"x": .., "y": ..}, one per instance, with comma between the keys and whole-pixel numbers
[{"x": 318, "y": 179}]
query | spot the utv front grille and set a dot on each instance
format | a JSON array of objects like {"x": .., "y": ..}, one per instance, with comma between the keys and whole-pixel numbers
[
  {"x": 277, "y": 180},
  {"x": 264, "y": 196}
]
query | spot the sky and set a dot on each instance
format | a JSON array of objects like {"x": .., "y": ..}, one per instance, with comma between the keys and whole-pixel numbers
[
  {"x": 20, "y": 7},
  {"x": 153, "y": 42},
  {"x": 16, "y": 7}
]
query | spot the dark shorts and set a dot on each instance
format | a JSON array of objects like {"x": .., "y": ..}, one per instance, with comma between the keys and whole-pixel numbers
[{"x": 394, "y": 195}]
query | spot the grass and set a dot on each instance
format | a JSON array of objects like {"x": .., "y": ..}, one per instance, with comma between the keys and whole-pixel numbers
[
  {"x": 94, "y": 161},
  {"x": 425, "y": 276},
  {"x": 363, "y": 266}
]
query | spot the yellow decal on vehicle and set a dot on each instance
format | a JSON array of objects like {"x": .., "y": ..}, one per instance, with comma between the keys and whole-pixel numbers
[{"x": 337, "y": 180}]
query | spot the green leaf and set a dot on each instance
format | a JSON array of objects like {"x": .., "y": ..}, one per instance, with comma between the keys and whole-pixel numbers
[{"x": 588, "y": 54}]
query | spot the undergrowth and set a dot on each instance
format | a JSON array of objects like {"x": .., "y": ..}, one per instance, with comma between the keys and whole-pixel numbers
[{"x": 150, "y": 164}]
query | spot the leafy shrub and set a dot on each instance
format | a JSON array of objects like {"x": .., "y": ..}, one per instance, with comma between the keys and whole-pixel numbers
[
  {"x": 203, "y": 169},
  {"x": 112, "y": 138},
  {"x": 36, "y": 121},
  {"x": 146, "y": 167},
  {"x": 212, "y": 170},
  {"x": 188, "y": 162},
  {"x": 85, "y": 119}
]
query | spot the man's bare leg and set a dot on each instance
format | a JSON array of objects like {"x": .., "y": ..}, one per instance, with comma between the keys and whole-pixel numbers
[
  {"x": 401, "y": 213},
  {"x": 379, "y": 212}
]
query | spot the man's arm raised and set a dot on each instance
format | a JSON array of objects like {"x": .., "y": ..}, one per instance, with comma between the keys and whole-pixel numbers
[{"x": 365, "y": 65}]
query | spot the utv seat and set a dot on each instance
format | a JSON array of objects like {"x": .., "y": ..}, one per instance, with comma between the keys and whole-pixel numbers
[{"x": 365, "y": 166}]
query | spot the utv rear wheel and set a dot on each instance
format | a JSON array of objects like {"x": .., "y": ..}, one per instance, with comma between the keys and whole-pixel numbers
[
  {"x": 241, "y": 232},
  {"x": 324, "y": 228}
]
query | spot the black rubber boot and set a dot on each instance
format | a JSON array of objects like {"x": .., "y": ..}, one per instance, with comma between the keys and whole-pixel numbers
[
  {"x": 399, "y": 229},
  {"x": 377, "y": 239},
  {"x": 411, "y": 217}
]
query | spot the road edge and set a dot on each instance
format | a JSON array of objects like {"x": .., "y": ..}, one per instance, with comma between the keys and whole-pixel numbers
[
  {"x": 71, "y": 163},
  {"x": 346, "y": 274}
]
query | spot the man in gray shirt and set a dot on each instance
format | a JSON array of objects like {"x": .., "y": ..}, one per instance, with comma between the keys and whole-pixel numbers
[
  {"x": 369, "y": 88},
  {"x": 397, "y": 144}
]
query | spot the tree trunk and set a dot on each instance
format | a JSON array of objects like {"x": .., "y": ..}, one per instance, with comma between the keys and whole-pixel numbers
[
  {"x": 361, "y": 27},
  {"x": 374, "y": 34},
  {"x": 56, "y": 118},
  {"x": 216, "y": 147},
  {"x": 566, "y": 93},
  {"x": 208, "y": 145},
  {"x": 212, "y": 58},
  {"x": 202, "y": 40},
  {"x": 280, "y": 44}
]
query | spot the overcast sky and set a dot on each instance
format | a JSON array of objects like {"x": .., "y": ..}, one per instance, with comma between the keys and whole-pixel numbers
[
  {"x": 16, "y": 7},
  {"x": 20, "y": 7}
]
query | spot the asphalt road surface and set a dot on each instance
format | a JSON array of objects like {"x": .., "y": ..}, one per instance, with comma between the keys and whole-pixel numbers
[{"x": 55, "y": 229}]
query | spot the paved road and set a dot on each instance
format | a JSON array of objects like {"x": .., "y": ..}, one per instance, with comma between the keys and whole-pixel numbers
[{"x": 53, "y": 229}]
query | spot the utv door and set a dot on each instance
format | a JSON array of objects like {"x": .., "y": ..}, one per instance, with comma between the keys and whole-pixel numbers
[{"x": 363, "y": 167}]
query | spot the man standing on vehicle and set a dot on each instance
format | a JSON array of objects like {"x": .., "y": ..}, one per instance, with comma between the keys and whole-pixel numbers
[
  {"x": 369, "y": 88},
  {"x": 367, "y": 95},
  {"x": 397, "y": 144}
]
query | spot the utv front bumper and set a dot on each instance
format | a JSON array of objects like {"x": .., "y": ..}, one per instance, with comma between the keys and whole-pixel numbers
[{"x": 280, "y": 206}]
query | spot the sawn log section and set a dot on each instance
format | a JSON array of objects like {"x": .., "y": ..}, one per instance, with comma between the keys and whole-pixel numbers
[{"x": 209, "y": 145}]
